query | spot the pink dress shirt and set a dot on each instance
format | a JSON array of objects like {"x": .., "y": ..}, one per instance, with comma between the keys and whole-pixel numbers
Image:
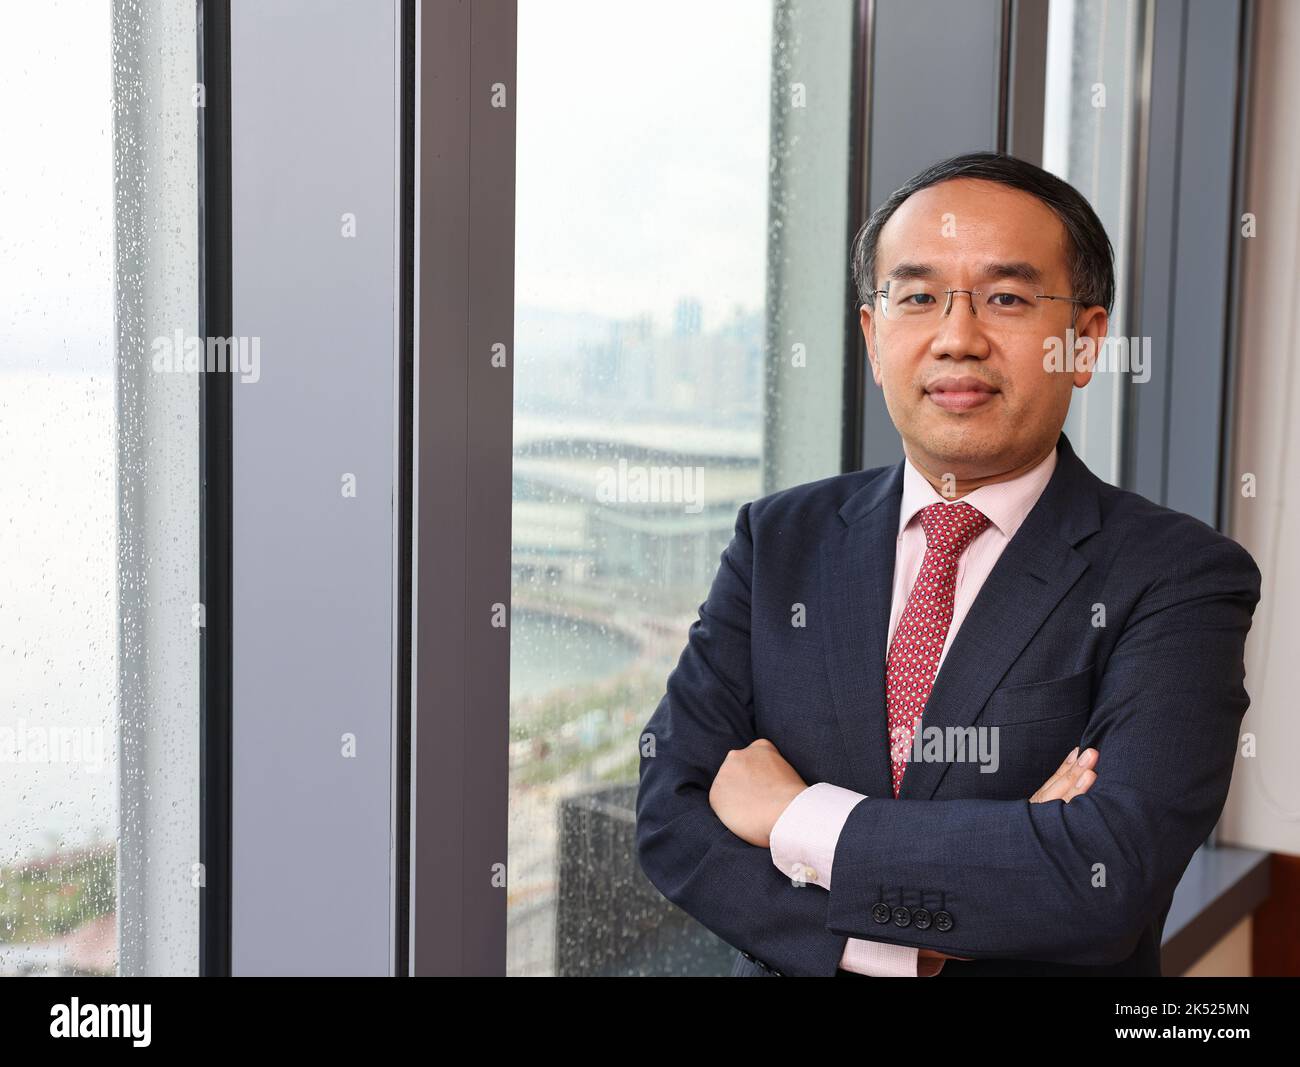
[{"x": 804, "y": 838}]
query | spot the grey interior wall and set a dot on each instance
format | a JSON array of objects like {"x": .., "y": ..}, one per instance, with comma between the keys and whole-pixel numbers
[{"x": 314, "y": 112}]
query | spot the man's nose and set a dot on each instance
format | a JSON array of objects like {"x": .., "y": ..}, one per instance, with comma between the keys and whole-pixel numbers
[{"x": 960, "y": 333}]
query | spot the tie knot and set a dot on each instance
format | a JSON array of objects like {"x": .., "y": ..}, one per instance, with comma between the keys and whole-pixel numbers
[{"x": 951, "y": 527}]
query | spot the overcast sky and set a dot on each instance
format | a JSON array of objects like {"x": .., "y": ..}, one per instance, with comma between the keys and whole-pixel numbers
[
  {"x": 56, "y": 184},
  {"x": 642, "y": 155}
]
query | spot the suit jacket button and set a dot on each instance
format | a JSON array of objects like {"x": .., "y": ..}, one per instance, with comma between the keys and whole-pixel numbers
[
  {"x": 943, "y": 921},
  {"x": 880, "y": 913},
  {"x": 921, "y": 918},
  {"x": 902, "y": 917}
]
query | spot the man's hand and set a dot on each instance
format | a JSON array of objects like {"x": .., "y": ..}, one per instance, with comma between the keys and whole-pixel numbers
[
  {"x": 751, "y": 789},
  {"x": 1073, "y": 778},
  {"x": 929, "y": 962},
  {"x": 755, "y": 784}
]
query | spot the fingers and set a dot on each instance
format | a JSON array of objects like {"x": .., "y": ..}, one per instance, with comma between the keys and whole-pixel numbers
[
  {"x": 1083, "y": 781},
  {"x": 1081, "y": 775},
  {"x": 1049, "y": 790},
  {"x": 1072, "y": 779},
  {"x": 1064, "y": 769}
]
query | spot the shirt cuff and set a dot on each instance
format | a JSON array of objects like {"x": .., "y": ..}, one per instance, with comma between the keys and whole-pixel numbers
[
  {"x": 803, "y": 840},
  {"x": 879, "y": 959}
]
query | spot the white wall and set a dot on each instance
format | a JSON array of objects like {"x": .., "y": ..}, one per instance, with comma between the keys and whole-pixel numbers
[{"x": 1263, "y": 810}]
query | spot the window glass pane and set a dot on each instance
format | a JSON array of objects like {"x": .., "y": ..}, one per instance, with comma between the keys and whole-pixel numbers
[
  {"x": 98, "y": 651},
  {"x": 1090, "y": 117},
  {"x": 681, "y": 288}
]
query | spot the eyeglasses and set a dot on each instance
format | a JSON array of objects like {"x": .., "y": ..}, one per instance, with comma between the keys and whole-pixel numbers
[{"x": 1008, "y": 303}]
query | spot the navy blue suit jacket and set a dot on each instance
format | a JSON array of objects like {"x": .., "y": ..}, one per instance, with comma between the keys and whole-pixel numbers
[{"x": 961, "y": 862}]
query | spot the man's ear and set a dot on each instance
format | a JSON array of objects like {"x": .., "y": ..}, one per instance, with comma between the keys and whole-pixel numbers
[
  {"x": 1090, "y": 328},
  {"x": 866, "y": 320}
]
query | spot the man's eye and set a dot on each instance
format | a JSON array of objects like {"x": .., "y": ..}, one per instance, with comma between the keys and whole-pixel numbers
[
  {"x": 1007, "y": 300},
  {"x": 918, "y": 297}
]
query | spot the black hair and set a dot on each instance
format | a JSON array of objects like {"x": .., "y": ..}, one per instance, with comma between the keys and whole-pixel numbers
[{"x": 1089, "y": 254}]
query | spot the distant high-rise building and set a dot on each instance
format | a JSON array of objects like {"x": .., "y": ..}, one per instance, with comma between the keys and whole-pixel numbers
[{"x": 687, "y": 317}]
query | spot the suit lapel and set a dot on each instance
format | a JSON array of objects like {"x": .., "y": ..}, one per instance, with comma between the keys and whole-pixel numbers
[
  {"x": 857, "y": 580},
  {"x": 1036, "y": 569}
]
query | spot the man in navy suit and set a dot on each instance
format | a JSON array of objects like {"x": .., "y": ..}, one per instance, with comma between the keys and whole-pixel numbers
[{"x": 972, "y": 713}]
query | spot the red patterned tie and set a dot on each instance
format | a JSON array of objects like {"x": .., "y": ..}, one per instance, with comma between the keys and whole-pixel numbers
[{"x": 913, "y": 659}]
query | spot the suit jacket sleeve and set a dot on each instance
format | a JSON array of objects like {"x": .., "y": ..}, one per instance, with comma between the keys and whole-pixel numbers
[
  {"x": 686, "y": 851},
  {"x": 1077, "y": 883}
]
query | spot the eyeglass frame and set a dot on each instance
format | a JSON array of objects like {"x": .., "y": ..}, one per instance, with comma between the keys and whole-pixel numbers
[{"x": 947, "y": 306}]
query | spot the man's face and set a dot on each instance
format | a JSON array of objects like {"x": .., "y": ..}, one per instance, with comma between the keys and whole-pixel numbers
[{"x": 960, "y": 229}]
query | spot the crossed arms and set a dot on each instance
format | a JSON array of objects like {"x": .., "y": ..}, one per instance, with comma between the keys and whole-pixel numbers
[{"x": 1071, "y": 883}]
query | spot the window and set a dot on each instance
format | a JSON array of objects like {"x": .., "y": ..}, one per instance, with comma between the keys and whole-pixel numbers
[
  {"x": 99, "y": 612},
  {"x": 679, "y": 337},
  {"x": 1090, "y": 120}
]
